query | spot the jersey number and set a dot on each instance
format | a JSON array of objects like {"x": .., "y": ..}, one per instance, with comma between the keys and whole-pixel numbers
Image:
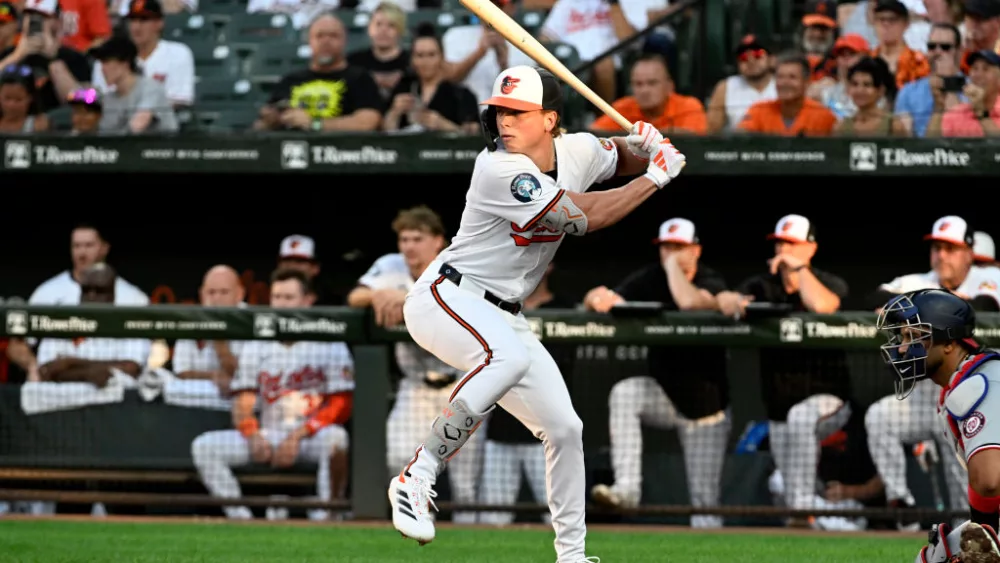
[{"x": 540, "y": 234}]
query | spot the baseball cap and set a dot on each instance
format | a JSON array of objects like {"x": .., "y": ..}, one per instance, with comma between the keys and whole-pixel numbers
[
  {"x": 982, "y": 9},
  {"x": 526, "y": 88},
  {"x": 677, "y": 231},
  {"x": 297, "y": 246},
  {"x": 117, "y": 48},
  {"x": 793, "y": 228},
  {"x": 8, "y": 12},
  {"x": 145, "y": 9},
  {"x": 750, "y": 43},
  {"x": 820, "y": 13},
  {"x": 983, "y": 249},
  {"x": 986, "y": 55},
  {"x": 894, "y": 6},
  {"x": 951, "y": 228},
  {"x": 88, "y": 97},
  {"x": 48, "y": 8},
  {"x": 851, "y": 42}
]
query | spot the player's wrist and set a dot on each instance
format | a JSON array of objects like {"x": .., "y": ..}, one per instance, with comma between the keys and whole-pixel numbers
[{"x": 248, "y": 427}]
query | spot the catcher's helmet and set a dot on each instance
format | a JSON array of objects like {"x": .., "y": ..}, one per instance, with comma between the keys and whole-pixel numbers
[
  {"x": 915, "y": 321},
  {"x": 522, "y": 88}
]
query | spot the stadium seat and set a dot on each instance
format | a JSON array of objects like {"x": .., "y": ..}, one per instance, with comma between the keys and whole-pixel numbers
[
  {"x": 278, "y": 59},
  {"x": 60, "y": 119},
  {"x": 227, "y": 120},
  {"x": 532, "y": 20},
  {"x": 441, "y": 19},
  {"x": 354, "y": 19},
  {"x": 214, "y": 60},
  {"x": 358, "y": 41},
  {"x": 222, "y": 7},
  {"x": 183, "y": 27},
  {"x": 226, "y": 92},
  {"x": 566, "y": 54},
  {"x": 260, "y": 28}
]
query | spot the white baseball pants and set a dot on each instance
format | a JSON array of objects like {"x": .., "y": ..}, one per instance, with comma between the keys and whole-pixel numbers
[
  {"x": 415, "y": 409},
  {"x": 641, "y": 400},
  {"x": 215, "y": 453},
  {"x": 505, "y": 365},
  {"x": 502, "y": 467},
  {"x": 795, "y": 444},
  {"x": 890, "y": 423}
]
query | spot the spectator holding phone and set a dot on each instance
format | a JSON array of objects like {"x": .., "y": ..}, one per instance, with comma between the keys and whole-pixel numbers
[
  {"x": 980, "y": 116},
  {"x": 58, "y": 70},
  {"x": 919, "y": 101}
]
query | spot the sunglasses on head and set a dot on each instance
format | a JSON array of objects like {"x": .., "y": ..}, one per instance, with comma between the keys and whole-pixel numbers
[
  {"x": 943, "y": 46},
  {"x": 17, "y": 70},
  {"x": 751, "y": 54}
]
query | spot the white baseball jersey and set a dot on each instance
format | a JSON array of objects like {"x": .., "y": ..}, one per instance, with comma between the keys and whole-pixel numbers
[
  {"x": 292, "y": 379},
  {"x": 391, "y": 272},
  {"x": 970, "y": 406},
  {"x": 97, "y": 349},
  {"x": 500, "y": 244},
  {"x": 63, "y": 290},
  {"x": 979, "y": 281},
  {"x": 199, "y": 355},
  {"x": 171, "y": 64}
]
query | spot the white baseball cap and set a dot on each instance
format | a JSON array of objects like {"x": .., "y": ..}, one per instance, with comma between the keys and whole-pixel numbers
[
  {"x": 983, "y": 249},
  {"x": 526, "y": 88},
  {"x": 297, "y": 246},
  {"x": 953, "y": 229},
  {"x": 46, "y": 7},
  {"x": 795, "y": 229},
  {"x": 677, "y": 231}
]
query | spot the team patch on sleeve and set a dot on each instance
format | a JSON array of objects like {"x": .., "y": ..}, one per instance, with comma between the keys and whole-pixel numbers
[
  {"x": 973, "y": 424},
  {"x": 525, "y": 188},
  {"x": 607, "y": 144}
]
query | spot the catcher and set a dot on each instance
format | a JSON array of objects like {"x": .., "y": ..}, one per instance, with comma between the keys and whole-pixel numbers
[{"x": 930, "y": 335}]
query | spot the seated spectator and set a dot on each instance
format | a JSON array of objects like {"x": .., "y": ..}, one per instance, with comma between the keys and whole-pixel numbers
[
  {"x": 330, "y": 95},
  {"x": 859, "y": 19},
  {"x": 629, "y": 18},
  {"x": 19, "y": 102},
  {"x": 386, "y": 59},
  {"x": 135, "y": 104},
  {"x": 869, "y": 84},
  {"x": 982, "y": 25},
  {"x": 87, "y": 111},
  {"x": 9, "y": 25},
  {"x": 653, "y": 100},
  {"x": 92, "y": 360},
  {"x": 753, "y": 82},
  {"x": 917, "y": 100},
  {"x": 85, "y": 23},
  {"x": 792, "y": 114},
  {"x": 980, "y": 116},
  {"x": 819, "y": 29},
  {"x": 427, "y": 101},
  {"x": 831, "y": 91},
  {"x": 57, "y": 68},
  {"x": 476, "y": 54},
  {"x": 170, "y": 7},
  {"x": 586, "y": 26},
  {"x": 891, "y": 21},
  {"x": 168, "y": 62}
]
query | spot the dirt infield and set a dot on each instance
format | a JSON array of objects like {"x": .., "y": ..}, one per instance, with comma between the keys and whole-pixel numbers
[{"x": 772, "y": 531}]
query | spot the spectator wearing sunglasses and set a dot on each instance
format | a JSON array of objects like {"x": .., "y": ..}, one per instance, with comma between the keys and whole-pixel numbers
[
  {"x": 87, "y": 111},
  {"x": 58, "y": 69},
  {"x": 734, "y": 95},
  {"x": 8, "y": 25},
  {"x": 917, "y": 100},
  {"x": 135, "y": 103},
  {"x": 19, "y": 102}
]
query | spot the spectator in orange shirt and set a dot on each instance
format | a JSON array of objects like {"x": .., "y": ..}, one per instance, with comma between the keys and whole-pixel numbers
[
  {"x": 85, "y": 23},
  {"x": 792, "y": 114},
  {"x": 653, "y": 100},
  {"x": 891, "y": 20}
]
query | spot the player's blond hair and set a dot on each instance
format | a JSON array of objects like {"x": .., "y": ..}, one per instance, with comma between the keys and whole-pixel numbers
[
  {"x": 395, "y": 15},
  {"x": 419, "y": 218}
]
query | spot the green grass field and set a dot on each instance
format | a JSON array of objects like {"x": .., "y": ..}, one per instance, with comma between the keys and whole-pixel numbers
[{"x": 126, "y": 542}]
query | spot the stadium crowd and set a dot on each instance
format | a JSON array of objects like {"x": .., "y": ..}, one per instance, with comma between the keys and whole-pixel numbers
[{"x": 907, "y": 68}]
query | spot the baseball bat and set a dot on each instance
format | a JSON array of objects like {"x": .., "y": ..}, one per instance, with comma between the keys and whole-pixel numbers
[{"x": 520, "y": 38}]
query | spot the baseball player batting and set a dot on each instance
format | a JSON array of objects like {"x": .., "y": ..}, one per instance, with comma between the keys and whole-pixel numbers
[
  {"x": 527, "y": 192},
  {"x": 930, "y": 336}
]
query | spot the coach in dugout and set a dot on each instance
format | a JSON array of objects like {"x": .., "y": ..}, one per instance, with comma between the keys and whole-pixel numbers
[
  {"x": 890, "y": 422},
  {"x": 686, "y": 388},
  {"x": 806, "y": 391}
]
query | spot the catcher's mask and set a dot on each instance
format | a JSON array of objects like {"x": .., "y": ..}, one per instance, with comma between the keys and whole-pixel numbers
[
  {"x": 912, "y": 323},
  {"x": 520, "y": 88}
]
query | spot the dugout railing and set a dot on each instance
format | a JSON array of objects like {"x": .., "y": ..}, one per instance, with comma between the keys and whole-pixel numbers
[{"x": 96, "y": 453}]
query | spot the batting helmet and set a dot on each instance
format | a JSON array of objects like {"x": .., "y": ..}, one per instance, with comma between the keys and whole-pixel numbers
[
  {"x": 521, "y": 88},
  {"x": 914, "y": 322}
]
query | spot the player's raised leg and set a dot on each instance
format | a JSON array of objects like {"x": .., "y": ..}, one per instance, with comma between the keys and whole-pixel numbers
[
  {"x": 704, "y": 442},
  {"x": 471, "y": 334},
  {"x": 541, "y": 401},
  {"x": 215, "y": 454}
]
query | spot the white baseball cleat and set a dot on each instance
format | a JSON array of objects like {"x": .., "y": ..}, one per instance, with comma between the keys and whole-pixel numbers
[
  {"x": 587, "y": 560},
  {"x": 979, "y": 544},
  {"x": 412, "y": 499}
]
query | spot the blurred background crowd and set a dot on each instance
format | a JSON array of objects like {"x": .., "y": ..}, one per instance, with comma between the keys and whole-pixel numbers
[{"x": 908, "y": 68}]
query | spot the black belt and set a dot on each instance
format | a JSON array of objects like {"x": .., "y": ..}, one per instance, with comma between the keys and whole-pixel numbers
[{"x": 455, "y": 277}]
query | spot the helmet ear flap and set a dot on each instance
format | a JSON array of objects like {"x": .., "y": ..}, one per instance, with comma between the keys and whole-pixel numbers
[{"x": 488, "y": 122}]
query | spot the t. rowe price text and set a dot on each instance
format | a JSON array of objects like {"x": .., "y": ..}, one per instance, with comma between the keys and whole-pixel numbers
[
  {"x": 937, "y": 157},
  {"x": 816, "y": 329},
  {"x": 72, "y": 324},
  {"x": 564, "y": 330},
  {"x": 47, "y": 154}
]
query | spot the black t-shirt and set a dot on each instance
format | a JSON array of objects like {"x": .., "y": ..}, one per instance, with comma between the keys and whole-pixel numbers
[
  {"x": 789, "y": 375},
  {"x": 502, "y": 426},
  {"x": 396, "y": 66},
  {"x": 79, "y": 66},
  {"x": 327, "y": 95},
  {"x": 454, "y": 102},
  {"x": 693, "y": 377}
]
